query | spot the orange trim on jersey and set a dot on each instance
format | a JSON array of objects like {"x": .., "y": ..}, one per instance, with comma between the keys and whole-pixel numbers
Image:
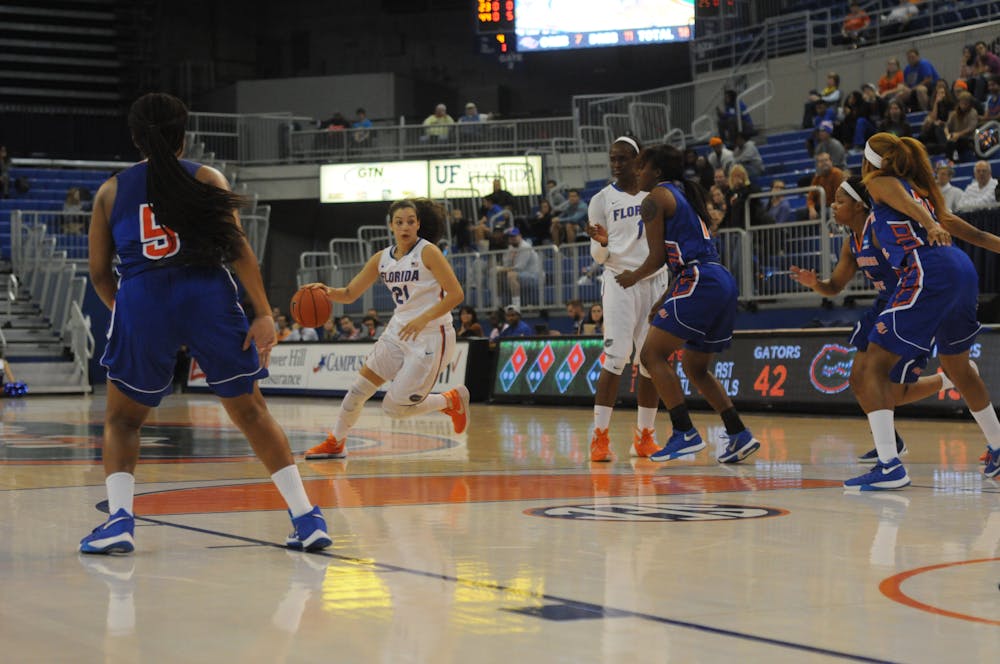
[
  {"x": 892, "y": 588},
  {"x": 339, "y": 491}
]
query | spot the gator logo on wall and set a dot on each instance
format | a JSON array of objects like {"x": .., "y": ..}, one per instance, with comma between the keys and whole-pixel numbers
[{"x": 830, "y": 370}]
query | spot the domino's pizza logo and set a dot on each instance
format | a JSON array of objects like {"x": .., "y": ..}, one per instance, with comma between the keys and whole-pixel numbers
[{"x": 830, "y": 369}]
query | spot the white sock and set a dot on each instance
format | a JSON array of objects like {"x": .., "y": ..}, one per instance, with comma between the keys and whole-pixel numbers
[
  {"x": 351, "y": 407},
  {"x": 121, "y": 491},
  {"x": 647, "y": 418},
  {"x": 289, "y": 484},
  {"x": 946, "y": 383},
  {"x": 881, "y": 422},
  {"x": 987, "y": 420},
  {"x": 602, "y": 416}
]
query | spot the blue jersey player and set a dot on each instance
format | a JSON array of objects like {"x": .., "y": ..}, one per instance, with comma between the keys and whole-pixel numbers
[
  {"x": 934, "y": 301},
  {"x": 173, "y": 226},
  {"x": 697, "y": 313}
]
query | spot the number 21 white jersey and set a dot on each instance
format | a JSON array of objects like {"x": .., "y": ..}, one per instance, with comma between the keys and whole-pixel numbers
[
  {"x": 412, "y": 286},
  {"x": 618, "y": 211}
]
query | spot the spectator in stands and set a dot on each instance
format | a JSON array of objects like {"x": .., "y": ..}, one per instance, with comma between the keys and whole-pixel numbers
[
  {"x": 829, "y": 178},
  {"x": 721, "y": 180},
  {"x": 981, "y": 192},
  {"x": 944, "y": 172},
  {"x": 461, "y": 230},
  {"x": 555, "y": 197},
  {"x": 521, "y": 266},
  {"x": 493, "y": 223},
  {"x": 336, "y": 123},
  {"x": 284, "y": 329},
  {"x": 372, "y": 312},
  {"x": 895, "y": 120},
  {"x": 845, "y": 128},
  {"x": 961, "y": 127},
  {"x": 371, "y": 329},
  {"x": 470, "y": 123},
  {"x": 825, "y": 142},
  {"x": 468, "y": 323},
  {"x": 919, "y": 78},
  {"x": 720, "y": 156},
  {"x": 855, "y": 28},
  {"x": 830, "y": 96},
  {"x": 515, "y": 327},
  {"x": 869, "y": 115},
  {"x": 967, "y": 66},
  {"x": 991, "y": 112},
  {"x": 690, "y": 164},
  {"x": 329, "y": 331},
  {"x": 778, "y": 208},
  {"x": 718, "y": 208},
  {"x": 731, "y": 115},
  {"x": 540, "y": 224},
  {"x": 987, "y": 66},
  {"x": 571, "y": 220},
  {"x": 595, "y": 320},
  {"x": 747, "y": 155},
  {"x": 300, "y": 333},
  {"x": 705, "y": 172},
  {"x": 4, "y": 172},
  {"x": 898, "y": 20},
  {"x": 933, "y": 126},
  {"x": 740, "y": 189},
  {"x": 437, "y": 125},
  {"x": 503, "y": 197},
  {"x": 362, "y": 128},
  {"x": 348, "y": 332},
  {"x": 574, "y": 309},
  {"x": 891, "y": 83}
]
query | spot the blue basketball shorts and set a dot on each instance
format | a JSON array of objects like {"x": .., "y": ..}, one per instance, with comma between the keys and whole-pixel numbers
[
  {"x": 701, "y": 308},
  {"x": 158, "y": 311},
  {"x": 934, "y": 302},
  {"x": 904, "y": 371}
]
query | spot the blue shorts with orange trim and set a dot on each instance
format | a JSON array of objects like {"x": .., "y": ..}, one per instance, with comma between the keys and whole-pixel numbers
[
  {"x": 904, "y": 371},
  {"x": 934, "y": 302},
  {"x": 701, "y": 308},
  {"x": 160, "y": 310}
]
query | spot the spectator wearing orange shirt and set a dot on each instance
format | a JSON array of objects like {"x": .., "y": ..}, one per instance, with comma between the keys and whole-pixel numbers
[
  {"x": 855, "y": 26},
  {"x": 892, "y": 82},
  {"x": 829, "y": 178}
]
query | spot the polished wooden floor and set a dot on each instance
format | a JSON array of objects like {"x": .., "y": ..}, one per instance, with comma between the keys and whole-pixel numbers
[{"x": 500, "y": 545}]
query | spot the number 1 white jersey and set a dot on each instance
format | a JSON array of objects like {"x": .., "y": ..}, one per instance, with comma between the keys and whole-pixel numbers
[
  {"x": 618, "y": 211},
  {"x": 412, "y": 286}
]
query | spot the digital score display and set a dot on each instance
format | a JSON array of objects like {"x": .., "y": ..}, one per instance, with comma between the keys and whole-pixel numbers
[
  {"x": 494, "y": 16},
  {"x": 760, "y": 371},
  {"x": 544, "y": 25}
]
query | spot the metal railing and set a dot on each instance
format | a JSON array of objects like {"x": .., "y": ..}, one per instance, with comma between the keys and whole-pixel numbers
[
  {"x": 246, "y": 138},
  {"x": 81, "y": 343}
]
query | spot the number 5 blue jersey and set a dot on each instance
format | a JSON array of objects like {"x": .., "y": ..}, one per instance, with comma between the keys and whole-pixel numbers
[
  {"x": 140, "y": 241},
  {"x": 686, "y": 237},
  {"x": 898, "y": 234}
]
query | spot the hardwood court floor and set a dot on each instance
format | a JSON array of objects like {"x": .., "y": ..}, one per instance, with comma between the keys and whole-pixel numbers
[{"x": 500, "y": 545}]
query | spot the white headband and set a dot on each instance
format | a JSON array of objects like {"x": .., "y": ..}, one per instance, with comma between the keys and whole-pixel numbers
[
  {"x": 874, "y": 157},
  {"x": 852, "y": 193},
  {"x": 626, "y": 139}
]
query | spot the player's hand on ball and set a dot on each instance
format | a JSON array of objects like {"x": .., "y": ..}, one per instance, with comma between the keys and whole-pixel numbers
[
  {"x": 805, "y": 277},
  {"x": 319, "y": 286}
]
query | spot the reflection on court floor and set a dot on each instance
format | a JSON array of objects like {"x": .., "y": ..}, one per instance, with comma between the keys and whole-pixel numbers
[{"x": 501, "y": 544}]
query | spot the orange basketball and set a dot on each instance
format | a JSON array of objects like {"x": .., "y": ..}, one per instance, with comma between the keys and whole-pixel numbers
[{"x": 310, "y": 307}]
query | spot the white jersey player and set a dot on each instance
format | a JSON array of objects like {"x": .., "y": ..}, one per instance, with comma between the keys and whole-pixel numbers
[
  {"x": 419, "y": 339},
  {"x": 618, "y": 242}
]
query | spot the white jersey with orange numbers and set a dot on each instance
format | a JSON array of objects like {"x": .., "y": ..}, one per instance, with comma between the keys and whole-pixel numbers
[
  {"x": 619, "y": 212},
  {"x": 412, "y": 286}
]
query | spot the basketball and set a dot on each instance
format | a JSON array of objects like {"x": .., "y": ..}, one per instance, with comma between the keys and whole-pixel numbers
[{"x": 310, "y": 308}]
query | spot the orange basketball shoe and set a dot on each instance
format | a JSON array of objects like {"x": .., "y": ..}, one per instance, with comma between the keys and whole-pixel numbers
[
  {"x": 331, "y": 448},
  {"x": 644, "y": 442},
  {"x": 599, "y": 446},
  {"x": 458, "y": 408}
]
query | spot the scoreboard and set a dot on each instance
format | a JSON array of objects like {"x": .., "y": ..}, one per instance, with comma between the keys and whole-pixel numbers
[
  {"x": 800, "y": 370},
  {"x": 495, "y": 26}
]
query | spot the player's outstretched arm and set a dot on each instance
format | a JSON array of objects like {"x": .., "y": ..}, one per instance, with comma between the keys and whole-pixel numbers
[
  {"x": 361, "y": 282},
  {"x": 842, "y": 274},
  {"x": 963, "y": 230},
  {"x": 888, "y": 190}
]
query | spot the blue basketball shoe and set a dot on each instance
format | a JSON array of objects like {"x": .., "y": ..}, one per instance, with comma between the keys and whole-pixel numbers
[
  {"x": 112, "y": 536},
  {"x": 872, "y": 454},
  {"x": 739, "y": 447},
  {"x": 992, "y": 468},
  {"x": 681, "y": 443},
  {"x": 309, "y": 532},
  {"x": 883, "y": 476}
]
